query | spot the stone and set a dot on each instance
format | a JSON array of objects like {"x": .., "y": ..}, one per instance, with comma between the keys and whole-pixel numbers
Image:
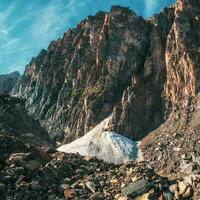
[
  {"x": 177, "y": 149},
  {"x": 8, "y": 81},
  {"x": 52, "y": 197},
  {"x": 187, "y": 193},
  {"x": 18, "y": 158},
  {"x": 122, "y": 198},
  {"x": 182, "y": 188},
  {"x": 65, "y": 186},
  {"x": 187, "y": 167},
  {"x": 97, "y": 196},
  {"x": 69, "y": 193},
  {"x": 173, "y": 188},
  {"x": 2, "y": 187},
  {"x": 188, "y": 180},
  {"x": 33, "y": 165},
  {"x": 168, "y": 196},
  {"x": 35, "y": 185},
  {"x": 20, "y": 179},
  {"x": 196, "y": 159},
  {"x": 137, "y": 188},
  {"x": 91, "y": 186},
  {"x": 144, "y": 197},
  {"x": 114, "y": 181}
]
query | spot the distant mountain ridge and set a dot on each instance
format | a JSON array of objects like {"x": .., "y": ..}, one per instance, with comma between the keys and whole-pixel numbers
[{"x": 8, "y": 81}]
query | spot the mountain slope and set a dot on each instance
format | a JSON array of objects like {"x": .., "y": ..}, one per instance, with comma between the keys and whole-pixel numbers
[
  {"x": 19, "y": 132},
  {"x": 8, "y": 81}
]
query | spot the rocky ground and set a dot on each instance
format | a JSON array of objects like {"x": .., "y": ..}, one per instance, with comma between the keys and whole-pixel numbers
[
  {"x": 45, "y": 174},
  {"x": 173, "y": 149},
  {"x": 31, "y": 168}
]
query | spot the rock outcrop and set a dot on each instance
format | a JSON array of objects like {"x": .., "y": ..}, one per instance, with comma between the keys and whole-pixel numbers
[
  {"x": 18, "y": 131},
  {"x": 8, "y": 81},
  {"x": 117, "y": 63}
]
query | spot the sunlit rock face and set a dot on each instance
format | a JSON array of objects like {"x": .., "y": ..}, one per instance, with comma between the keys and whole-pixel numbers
[
  {"x": 183, "y": 52},
  {"x": 8, "y": 81},
  {"x": 117, "y": 63}
]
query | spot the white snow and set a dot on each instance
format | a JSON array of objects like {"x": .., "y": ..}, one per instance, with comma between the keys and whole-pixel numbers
[{"x": 108, "y": 146}]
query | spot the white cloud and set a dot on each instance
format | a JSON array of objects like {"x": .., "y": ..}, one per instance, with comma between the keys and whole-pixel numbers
[
  {"x": 54, "y": 18},
  {"x": 45, "y": 22}
]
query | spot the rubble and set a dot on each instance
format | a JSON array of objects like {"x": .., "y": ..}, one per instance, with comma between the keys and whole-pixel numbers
[{"x": 71, "y": 176}]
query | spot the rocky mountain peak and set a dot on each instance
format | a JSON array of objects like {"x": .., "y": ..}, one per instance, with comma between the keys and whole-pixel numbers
[{"x": 115, "y": 63}]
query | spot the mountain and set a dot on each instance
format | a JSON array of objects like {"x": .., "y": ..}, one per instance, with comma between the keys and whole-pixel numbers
[
  {"x": 8, "y": 81},
  {"x": 113, "y": 77},
  {"x": 115, "y": 63},
  {"x": 112, "y": 62}
]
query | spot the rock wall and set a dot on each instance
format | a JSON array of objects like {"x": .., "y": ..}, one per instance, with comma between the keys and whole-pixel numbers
[{"x": 183, "y": 52}]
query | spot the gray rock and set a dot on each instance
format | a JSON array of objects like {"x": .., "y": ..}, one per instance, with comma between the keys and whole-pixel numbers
[
  {"x": 52, "y": 197},
  {"x": 91, "y": 186},
  {"x": 33, "y": 165},
  {"x": 137, "y": 188},
  {"x": 187, "y": 167},
  {"x": 196, "y": 159},
  {"x": 20, "y": 179},
  {"x": 2, "y": 187},
  {"x": 168, "y": 196}
]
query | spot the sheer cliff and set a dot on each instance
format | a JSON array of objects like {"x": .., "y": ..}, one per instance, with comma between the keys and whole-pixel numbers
[{"x": 115, "y": 63}]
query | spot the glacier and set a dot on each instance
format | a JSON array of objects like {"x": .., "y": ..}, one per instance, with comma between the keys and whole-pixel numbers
[{"x": 104, "y": 145}]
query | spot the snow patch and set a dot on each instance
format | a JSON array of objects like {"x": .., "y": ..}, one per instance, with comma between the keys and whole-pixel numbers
[{"x": 108, "y": 146}]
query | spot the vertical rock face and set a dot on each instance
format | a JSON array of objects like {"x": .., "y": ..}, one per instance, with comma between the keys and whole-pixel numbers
[
  {"x": 141, "y": 108},
  {"x": 8, "y": 81},
  {"x": 183, "y": 52},
  {"x": 117, "y": 63}
]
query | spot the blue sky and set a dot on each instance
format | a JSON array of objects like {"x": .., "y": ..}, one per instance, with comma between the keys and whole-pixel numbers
[{"x": 28, "y": 26}]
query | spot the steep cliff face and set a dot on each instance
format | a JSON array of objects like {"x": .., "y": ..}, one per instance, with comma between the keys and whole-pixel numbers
[
  {"x": 142, "y": 108},
  {"x": 8, "y": 81},
  {"x": 174, "y": 146},
  {"x": 115, "y": 63},
  {"x": 75, "y": 83},
  {"x": 183, "y": 52}
]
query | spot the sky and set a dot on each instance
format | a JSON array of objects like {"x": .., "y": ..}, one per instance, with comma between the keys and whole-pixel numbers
[{"x": 27, "y": 26}]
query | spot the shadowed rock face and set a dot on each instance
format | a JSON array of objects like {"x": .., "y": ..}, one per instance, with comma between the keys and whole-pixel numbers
[
  {"x": 8, "y": 81},
  {"x": 15, "y": 120},
  {"x": 117, "y": 63},
  {"x": 19, "y": 132}
]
